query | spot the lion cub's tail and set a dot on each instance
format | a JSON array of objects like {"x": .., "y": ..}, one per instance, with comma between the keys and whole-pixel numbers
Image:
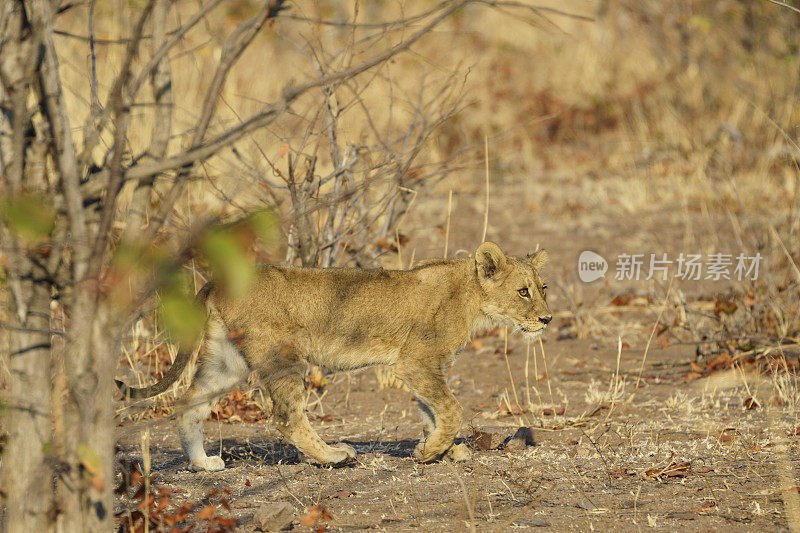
[{"x": 175, "y": 371}]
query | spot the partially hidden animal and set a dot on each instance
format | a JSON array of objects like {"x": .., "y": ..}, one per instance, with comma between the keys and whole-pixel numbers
[{"x": 413, "y": 321}]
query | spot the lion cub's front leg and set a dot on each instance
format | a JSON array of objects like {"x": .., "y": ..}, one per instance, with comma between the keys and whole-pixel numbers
[{"x": 429, "y": 386}]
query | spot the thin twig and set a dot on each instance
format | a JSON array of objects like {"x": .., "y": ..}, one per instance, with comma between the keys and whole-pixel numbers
[{"x": 783, "y": 4}]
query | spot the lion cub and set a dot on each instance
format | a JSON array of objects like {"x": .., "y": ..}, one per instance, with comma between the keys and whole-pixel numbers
[{"x": 413, "y": 321}]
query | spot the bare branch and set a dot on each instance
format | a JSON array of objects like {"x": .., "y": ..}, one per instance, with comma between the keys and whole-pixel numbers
[
  {"x": 399, "y": 23},
  {"x": 95, "y": 99},
  {"x": 161, "y": 82},
  {"x": 121, "y": 114},
  {"x": 100, "y": 122},
  {"x": 12, "y": 327},
  {"x": 784, "y": 4},
  {"x": 236, "y": 43},
  {"x": 538, "y": 10},
  {"x": 269, "y": 114},
  {"x": 61, "y": 132},
  {"x": 291, "y": 92},
  {"x": 167, "y": 46}
]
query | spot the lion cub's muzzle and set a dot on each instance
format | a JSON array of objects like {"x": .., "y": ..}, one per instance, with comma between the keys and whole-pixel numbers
[{"x": 534, "y": 330}]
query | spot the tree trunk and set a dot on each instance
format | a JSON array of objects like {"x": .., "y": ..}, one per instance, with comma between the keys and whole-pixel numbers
[
  {"x": 27, "y": 477},
  {"x": 90, "y": 413},
  {"x": 26, "y": 473}
]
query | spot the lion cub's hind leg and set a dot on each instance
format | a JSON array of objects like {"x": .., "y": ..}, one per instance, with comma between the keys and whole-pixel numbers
[
  {"x": 219, "y": 367},
  {"x": 288, "y": 399}
]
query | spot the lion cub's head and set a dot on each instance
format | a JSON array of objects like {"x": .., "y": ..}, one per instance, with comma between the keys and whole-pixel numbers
[{"x": 514, "y": 293}]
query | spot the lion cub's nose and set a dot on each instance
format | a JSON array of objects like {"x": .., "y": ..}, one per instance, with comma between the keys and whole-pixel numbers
[{"x": 545, "y": 319}]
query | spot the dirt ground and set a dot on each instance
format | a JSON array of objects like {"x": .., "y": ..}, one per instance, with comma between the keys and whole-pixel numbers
[{"x": 696, "y": 454}]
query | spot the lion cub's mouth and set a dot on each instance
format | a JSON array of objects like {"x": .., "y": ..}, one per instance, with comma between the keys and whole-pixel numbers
[{"x": 531, "y": 334}]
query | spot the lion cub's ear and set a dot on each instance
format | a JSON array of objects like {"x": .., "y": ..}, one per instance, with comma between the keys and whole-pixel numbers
[
  {"x": 489, "y": 259},
  {"x": 537, "y": 259}
]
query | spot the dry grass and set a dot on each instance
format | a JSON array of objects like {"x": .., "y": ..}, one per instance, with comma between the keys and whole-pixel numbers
[
  {"x": 688, "y": 117},
  {"x": 656, "y": 128}
]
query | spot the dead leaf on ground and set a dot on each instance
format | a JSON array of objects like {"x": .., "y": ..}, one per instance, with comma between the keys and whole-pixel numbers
[
  {"x": 315, "y": 514},
  {"x": 383, "y": 242},
  {"x": 724, "y": 306},
  {"x": 751, "y": 403},
  {"x": 206, "y": 512},
  {"x": 622, "y": 300},
  {"x": 673, "y": 470},
  {"x": 506, "y": 409},
  {"x": 749, "y": 299},
  {"x": 316, "y": 379},
  {"x": 237, "y": 406},
  {"x": 723, "y": 360},
  {"x": 274, "y": 516},
  {"x": 341, "y": 494},
  {"x": 622, "y": 472}
]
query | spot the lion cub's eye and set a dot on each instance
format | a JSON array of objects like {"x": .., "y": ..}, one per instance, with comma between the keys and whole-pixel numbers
[
  {"x": 524, "y": 292},
  {"x": 544, "y": 290}
]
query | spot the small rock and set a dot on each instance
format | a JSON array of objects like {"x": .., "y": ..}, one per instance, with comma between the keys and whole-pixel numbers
[
  {"x": 525, "y": 434},
  {"x": 515, "y": 445},
  {"x": 487, "y": 440},
  {"x": 582, "y": 453},
  {"x": 520, "y": 440},
  {"x": 275, "y": 516}
]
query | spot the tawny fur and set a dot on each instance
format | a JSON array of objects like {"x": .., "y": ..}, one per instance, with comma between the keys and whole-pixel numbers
[{"x": 413, "y": 321}]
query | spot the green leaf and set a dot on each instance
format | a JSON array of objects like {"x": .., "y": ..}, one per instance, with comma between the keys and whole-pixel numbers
[
  {"x": 89, "y": 459},
  {"x": 229, "y": 262},
  {"x": 700, "y": 22},
  {"x": 30, "y": 216},
  {"x": 132, "y": 255},
  {"x": 265, "y": 225},
  {"x": 49, "y": 448},
  {"x": 181, "y": 317}
]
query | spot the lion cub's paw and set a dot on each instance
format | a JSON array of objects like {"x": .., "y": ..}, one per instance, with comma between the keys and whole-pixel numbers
[
  {"x": 423, "y": 453},
  {"x": 458, "y": 453},
  {"x": 209, "y": 464},
  {"x": 338, "y": 454},
  {"x": 351, "y": 452}
]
